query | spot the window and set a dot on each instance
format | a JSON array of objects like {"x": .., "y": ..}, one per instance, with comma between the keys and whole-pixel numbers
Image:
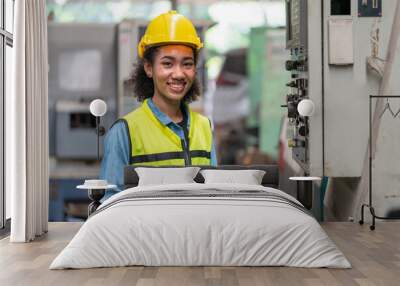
[
  {"x": 6, "y": 44},
  {"x": 9, "y": 15}
]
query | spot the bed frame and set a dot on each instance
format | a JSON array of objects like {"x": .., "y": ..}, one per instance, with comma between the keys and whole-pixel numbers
[{"x": 270, "y": 179}]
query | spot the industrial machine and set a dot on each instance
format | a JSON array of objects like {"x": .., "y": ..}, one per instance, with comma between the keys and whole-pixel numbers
[
  {"x": 82, "y": 67},
  {"x": 338, "y": 49},
  {"x": 330, "y": 43}
]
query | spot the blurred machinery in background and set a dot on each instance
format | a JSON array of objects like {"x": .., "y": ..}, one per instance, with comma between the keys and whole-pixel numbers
[
  {"x": 267, "y": 80},
  {"x": 230, "y": 106},
  {"x": 82, "y": 67},
  {"x": 247, "y": 97},
  {"x": 232, "y": 88},
  {"x": 332, "y": 45}
]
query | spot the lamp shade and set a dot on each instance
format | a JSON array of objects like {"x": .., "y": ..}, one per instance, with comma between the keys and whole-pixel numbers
[
  {"x": 306, "y": 107},
  {"x": 98, "y": 107}
]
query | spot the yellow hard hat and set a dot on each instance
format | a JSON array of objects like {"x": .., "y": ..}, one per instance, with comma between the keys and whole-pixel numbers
[{"x": 169, "y": 28}]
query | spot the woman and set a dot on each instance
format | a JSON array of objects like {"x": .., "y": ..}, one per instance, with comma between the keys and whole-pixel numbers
[{"x": 163, "y": 130}]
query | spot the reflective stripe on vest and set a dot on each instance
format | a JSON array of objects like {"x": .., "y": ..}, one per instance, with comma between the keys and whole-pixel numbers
[{"x": 154, "y": 144}]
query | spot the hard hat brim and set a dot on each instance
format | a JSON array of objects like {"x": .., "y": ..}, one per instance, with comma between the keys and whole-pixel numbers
[{"x": 191, "y": 45}]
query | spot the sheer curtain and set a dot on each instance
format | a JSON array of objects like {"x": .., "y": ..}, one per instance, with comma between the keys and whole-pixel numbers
[{"x": 27, "y": 124}]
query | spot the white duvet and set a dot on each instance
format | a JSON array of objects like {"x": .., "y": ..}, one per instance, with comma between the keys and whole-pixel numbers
[{"x": 183, "y": 231}]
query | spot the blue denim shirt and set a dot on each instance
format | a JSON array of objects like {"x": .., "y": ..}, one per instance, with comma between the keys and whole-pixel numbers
[{"x": 117, "y": 152}]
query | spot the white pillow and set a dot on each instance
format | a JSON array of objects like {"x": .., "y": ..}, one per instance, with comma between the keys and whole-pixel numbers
[
  {"x": 249, "y": 177},
  {"x": 166, "y": 176}
]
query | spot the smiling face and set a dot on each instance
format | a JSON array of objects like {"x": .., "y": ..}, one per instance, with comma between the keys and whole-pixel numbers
[{"x": 173, "y": 72}]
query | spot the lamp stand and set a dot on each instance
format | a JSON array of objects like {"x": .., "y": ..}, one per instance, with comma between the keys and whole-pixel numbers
[{"x": 100, "y": 131}]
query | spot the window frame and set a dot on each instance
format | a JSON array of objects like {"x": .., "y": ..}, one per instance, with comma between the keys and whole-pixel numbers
[{"x": 6, "y": 39}]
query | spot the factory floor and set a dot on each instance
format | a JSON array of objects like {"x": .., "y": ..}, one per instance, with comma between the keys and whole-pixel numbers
[{"x": 374, "y": 255}]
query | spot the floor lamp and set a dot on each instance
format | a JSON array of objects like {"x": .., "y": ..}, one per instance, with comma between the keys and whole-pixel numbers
[{"x": 98, "y": 108}]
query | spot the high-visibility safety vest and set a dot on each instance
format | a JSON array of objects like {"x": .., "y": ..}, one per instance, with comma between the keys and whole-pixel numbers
[{"x": 154, "y": 144}]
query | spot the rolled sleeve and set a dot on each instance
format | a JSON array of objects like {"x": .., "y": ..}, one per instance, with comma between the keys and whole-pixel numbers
[{"x": 116, "y": 157}]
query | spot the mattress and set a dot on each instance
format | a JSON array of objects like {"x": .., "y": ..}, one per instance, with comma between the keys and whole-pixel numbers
[{"x": 201, "y": 225}]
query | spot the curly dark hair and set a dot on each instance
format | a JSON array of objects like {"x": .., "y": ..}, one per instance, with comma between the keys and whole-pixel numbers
[{"x": 143, "y": 86}]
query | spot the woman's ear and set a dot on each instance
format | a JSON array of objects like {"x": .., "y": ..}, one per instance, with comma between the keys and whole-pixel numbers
[{"x": 148, "y": 69}]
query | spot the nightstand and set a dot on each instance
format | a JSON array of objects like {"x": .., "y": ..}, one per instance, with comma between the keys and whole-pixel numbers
[
  {"x": 304, "y": 189},
  {"x": 95, "y": 193}
]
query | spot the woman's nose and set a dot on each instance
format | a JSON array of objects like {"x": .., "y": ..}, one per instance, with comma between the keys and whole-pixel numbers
[{"x": 178, "y": 72}]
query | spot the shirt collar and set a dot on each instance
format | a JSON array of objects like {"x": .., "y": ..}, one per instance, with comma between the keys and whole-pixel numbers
[{"x": 161, "y": 116}]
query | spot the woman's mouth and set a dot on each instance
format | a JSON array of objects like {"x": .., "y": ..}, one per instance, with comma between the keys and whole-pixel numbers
[{"x": 176, "y": 87}]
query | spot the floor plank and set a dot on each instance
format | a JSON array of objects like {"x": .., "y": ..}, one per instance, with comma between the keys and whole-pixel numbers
[{"x": 374, "y": 255}]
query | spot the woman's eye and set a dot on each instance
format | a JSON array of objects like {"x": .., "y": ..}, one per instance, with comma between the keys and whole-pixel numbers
[
  {"x": 188, "y": 64},
  {"x": 167, "y": 64}
]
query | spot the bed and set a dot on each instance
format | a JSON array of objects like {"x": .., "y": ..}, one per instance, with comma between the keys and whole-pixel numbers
[{"x": 201, "y": 224}]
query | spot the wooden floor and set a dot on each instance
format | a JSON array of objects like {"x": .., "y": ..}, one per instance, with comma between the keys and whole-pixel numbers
[{"x": 374, "y": 255}]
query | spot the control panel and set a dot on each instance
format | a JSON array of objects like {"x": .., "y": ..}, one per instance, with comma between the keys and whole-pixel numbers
[{"x": 297, "y": 65}]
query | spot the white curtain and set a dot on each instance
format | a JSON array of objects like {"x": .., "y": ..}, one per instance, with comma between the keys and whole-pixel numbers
[{"x": 27, "y": 123}]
